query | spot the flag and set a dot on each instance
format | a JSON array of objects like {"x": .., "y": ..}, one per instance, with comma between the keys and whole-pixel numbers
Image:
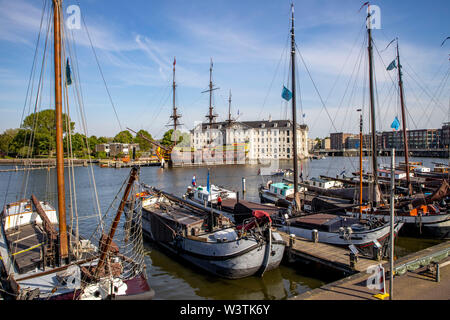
[
  {"x": 395, "y": 124},
  {"x": 174, "y": 61},
  {"x": 193, "y": 181},
  {"x": 286, "y": 94},
  {"x": 304, "y": 115},
  {"x": 391, "y": 66},
  {"x": 207, "y": 183},
  {"x": 68, "y": 73}
]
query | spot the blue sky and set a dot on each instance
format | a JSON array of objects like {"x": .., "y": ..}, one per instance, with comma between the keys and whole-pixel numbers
[{"x": 136, "y": 41}]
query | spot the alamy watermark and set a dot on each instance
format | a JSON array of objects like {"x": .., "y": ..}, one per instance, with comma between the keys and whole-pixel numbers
[{"x": 73, "y": 20}]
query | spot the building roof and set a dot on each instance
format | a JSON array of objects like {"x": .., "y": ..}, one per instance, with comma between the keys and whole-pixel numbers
[{"x": 267, "y": 124}]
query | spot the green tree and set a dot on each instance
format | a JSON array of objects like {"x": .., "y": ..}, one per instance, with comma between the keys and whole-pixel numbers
[
  {"x": 102, "y": 140},
  {"x": 169, "y": 138},
  {"x": 43, "y": 126},
  {"x": 144, "y": 145},
  {"x": 79, "y": 147},
  {"x": 101, "y": 155},
  {"x": 123, "y": 137},
  {"x": 6, "y": 139}
]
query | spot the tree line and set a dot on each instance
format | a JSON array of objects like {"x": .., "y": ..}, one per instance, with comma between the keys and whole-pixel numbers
[{"x": 36, "y": 137}]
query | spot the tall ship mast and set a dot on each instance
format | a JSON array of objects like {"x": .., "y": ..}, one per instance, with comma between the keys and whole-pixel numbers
[
  {"x": 175, "y": 115},
  {"x": 211, "y": 116},
  {"x": 294, "y": 111},
  {"x": 376, "y": 191},
  {"x": 405, "y": 134}
]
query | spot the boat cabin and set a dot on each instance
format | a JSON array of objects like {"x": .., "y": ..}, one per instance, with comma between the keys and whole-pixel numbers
[
  {"x": 386, "y": 173},
  {"x": 201, "y": 194},
  {"x": 421, "y": 169},
  {"x": 325, "y": 184},
  {"x": 326, "y": 222},
  {"x": 282, "y": 189}
]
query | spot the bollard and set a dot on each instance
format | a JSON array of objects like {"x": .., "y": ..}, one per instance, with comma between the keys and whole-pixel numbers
[
  {"x": 438, "y": 274},
  {"x": 315, "y": 235},
  {"x": 353, "y": 260},
  {"x": 243, "y": 185},
  {"x": 353, "y": 256},
  {"x": 377, "y": 251},
  {"x": 289, "y": 248}
]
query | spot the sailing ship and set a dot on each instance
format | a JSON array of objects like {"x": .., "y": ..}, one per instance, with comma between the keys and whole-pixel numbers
[
  {"x": 208, "y": 239},
  {"x": 421, "y": 197},
  {"x": 41, "y": 258},
  {"x": 331, "y": 228}
]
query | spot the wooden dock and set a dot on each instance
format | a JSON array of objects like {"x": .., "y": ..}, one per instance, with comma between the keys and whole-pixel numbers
[
  {"x": 334, "y": 257},
  {"x": 413, "y": 279},
  {"x": 128, "y": 164}
]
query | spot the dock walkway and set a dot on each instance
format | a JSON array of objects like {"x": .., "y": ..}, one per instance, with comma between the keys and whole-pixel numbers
[
  {"x": 325, "y": 254},
  {"x": 411, "y": 280}
]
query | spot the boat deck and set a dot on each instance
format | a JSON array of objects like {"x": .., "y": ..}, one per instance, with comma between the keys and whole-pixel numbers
[
  {"x": 25, "y": 245},
  {"x": 178, "y": 214}
]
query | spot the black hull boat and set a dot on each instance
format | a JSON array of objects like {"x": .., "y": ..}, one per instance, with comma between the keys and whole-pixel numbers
[{"x": 226, "y": 250}]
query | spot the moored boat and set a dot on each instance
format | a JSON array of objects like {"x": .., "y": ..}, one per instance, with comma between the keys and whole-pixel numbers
[{"x": 210, "y": 240}]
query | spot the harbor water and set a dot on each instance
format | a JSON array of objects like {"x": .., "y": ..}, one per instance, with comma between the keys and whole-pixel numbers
[{"x": 170, "y": 277}]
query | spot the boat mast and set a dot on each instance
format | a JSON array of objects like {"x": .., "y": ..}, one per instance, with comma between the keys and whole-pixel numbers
[
  {"x": 405, "y": 135},
  {"x": 106, "y": 245},
  {"x": 175, "y": 116},
  {"x": 372, "y": 108},
  {"x": 360, "y": 163},
  {"x": 63, "y": 246},
  {"x": 211, "y": 116},
  {"x": 294, "y": 111},
  {"x": 229, "y": 110}
]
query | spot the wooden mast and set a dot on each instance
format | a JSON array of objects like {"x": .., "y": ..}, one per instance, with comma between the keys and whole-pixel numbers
[
  {"x": 63, "y": 246},
  {"x": 105, "y": 246},
  {"x": 294, "y": 111},
  {"x": 405, "y": 135},
  {"x": 372, "y": 110}
]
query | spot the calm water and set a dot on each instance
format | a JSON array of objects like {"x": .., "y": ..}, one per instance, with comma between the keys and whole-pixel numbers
[{"x": 171, "y": 277}]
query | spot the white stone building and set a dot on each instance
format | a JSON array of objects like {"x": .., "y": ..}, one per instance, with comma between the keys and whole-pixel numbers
[{"x": 271, "y": 139}]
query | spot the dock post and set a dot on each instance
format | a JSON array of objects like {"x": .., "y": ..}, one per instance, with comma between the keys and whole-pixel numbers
[
  {"x": 438, "y": 273},
  {"x": 315, "y": 235},
  {"x": 291, "y": 245}
]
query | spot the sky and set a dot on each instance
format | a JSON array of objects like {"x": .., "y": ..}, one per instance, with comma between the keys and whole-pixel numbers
[{"x": 134, "y": 44}]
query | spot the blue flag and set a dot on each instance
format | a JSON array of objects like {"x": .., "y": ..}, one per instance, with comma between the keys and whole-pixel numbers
[
  {"x": 207, "y": 182},
  {"x": 286, "y": 94},
  {"x": 391, "y": 66},
  {"x": 395, "y": 124}
]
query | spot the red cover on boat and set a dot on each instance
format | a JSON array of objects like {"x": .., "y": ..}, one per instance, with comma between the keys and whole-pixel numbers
[{"x": 259, "y": 214}]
